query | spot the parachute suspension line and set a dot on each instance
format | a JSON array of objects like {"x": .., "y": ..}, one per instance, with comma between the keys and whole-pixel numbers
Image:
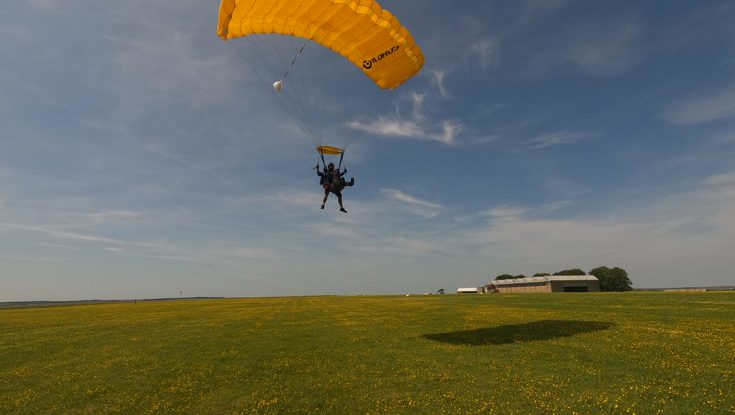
[
  {"x": 302, "y": 110},
  {"x": 343, "y": 94},
  {"x": 351, "y": 99},
  {"x": 341, "y": 156},
  {"x": 294, "y": 60},
  {"x": 308, "y": 97},
  {"x": 300, "y": 118},
  {"x": 294, "y": 111},
  {"x": 243, "y": 56},
  {"x": 312, "y": 78},
  {"x": 300, "y": 90}
]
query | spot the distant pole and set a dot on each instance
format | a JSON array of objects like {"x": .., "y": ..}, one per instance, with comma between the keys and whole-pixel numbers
[{"x": 181, "y": 294}]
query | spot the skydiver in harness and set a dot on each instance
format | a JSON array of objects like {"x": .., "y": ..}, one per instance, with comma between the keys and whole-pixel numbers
[{"x": 332, "y": 181}]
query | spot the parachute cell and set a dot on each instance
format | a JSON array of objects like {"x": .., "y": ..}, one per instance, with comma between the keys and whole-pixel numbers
[{"x": 360, "y": 30}]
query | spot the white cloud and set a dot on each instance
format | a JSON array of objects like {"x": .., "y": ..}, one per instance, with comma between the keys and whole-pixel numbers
[
  {"x": 44, "y": 5},
  {"x": 244, "y": 253},
  {"x": 717, "y": 105},
  {"x": 418, "y": 126},
  {"x": 450, "y": 130},
  {"x": 415, "y": 205},
  {"x": 114, "y": 216},
  {"x": 555, "y": 205},
  {"x": 33, "y": 258},
  {"x": 333, "y": 230},
  {"x": 395, "y": 246},
  {"x": 296, "y": 198},
  {"x": 534, "y": 9},
  {"x": 60, "y": 234},
  {"x": 390, "y": 127},
  {"x": 60, "y": 246},
  {"x": 158, "y": 64},
  {"x": 724, "y": 179},
  {"x": 169, "y": 257},
  {"x": 487, "y": 53},
  {"x": 557, "y": 138},
  {"x": 165, "y": 250},
  {"x": 664, "y": 240},
  {"x": 159, "y": 245},
  {"x": 505, "y": 211},
  {"x": 607, "y": 52},
  {"x": 437, "y": 81}
]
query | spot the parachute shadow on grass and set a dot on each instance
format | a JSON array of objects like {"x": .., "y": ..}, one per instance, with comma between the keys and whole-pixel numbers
[{"x": 520, "y": 333}]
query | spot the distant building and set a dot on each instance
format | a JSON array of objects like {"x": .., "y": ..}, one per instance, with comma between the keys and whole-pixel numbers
[
  {"x": 547, "y": 284},
  {"x": 473, "y": 290}
]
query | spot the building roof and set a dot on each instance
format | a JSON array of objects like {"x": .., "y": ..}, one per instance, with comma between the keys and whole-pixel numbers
[
  {"x": 468, "y": 289},
  {"x": 544, "y": 279}
]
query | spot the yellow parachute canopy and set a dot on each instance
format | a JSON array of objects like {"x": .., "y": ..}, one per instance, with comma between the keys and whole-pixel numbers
[
  {"x": 360, "y": 30},
  {"x": 329, "y": 150}
]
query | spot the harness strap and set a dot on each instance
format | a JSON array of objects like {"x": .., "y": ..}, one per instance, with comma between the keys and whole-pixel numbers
[{"x": 322, "y": 155}]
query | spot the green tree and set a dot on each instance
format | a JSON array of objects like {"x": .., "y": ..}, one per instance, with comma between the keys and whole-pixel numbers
[
  {"x": 612, "y": 279},
  {"x": 573, "y": 271},
  {"x": 520, "y": 276},
  {"x": 440, "y": 291},
  {"x": 541, "y": 274},
  {"x": 504, "y": 277}
]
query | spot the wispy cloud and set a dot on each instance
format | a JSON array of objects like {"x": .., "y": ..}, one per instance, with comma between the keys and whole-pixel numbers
[
  {"x": 60, "y": 246},
  {"x": 438, "y": 78},
  {"x": 717, "y": 105},
  {"x": 487, "y": 52},
  {"x": 414, "y": 204},
  {"x": 395, "y": 246},
  {"x": 557, "y": 138},
  {"x": 60, "y": 234},
  {"x": 417, "y": 126},
  {"x": 676, "y": 232},
  {"x": 333, "y": 230},
  {"x": 243, "y": 253},
  {"x": 505, "y": 211},
  {"x": 724, "y": 179},
  {"x": 113, "y": 216},
  {"x": 34, "y": 258},
  {"x": 607, "y": 52},
  {"x": 44, "y": 5},
  {"x": 535, "y": 9}
]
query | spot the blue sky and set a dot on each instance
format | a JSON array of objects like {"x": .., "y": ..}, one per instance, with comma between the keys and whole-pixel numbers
[{"x": 141, "y": 156}]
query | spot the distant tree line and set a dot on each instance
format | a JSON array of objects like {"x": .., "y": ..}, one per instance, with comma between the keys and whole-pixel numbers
[{"x": 611, "y": 279}]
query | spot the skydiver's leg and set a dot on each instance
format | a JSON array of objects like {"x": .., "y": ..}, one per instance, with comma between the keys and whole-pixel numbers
[
  {"x": 351, "y": 182},
  {"x": 326, "y": 195},
  {"x": 339, "y": 199}
]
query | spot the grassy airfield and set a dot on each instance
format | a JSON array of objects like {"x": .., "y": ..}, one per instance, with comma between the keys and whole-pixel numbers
[{"x": 644, "y": 353}]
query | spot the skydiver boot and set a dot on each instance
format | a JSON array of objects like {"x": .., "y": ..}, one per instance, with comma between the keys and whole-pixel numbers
[
  {"x": 342, "y": 210},
  {"x": 352, "y": 181}
]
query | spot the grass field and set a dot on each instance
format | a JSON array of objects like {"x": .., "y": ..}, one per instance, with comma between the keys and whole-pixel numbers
[{"x": 645, "y": 353}]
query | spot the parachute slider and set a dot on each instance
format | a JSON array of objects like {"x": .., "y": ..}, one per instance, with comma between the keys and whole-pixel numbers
[
  {"x": 278, "y": 86},
  {"x": 329, "y": 150}
]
